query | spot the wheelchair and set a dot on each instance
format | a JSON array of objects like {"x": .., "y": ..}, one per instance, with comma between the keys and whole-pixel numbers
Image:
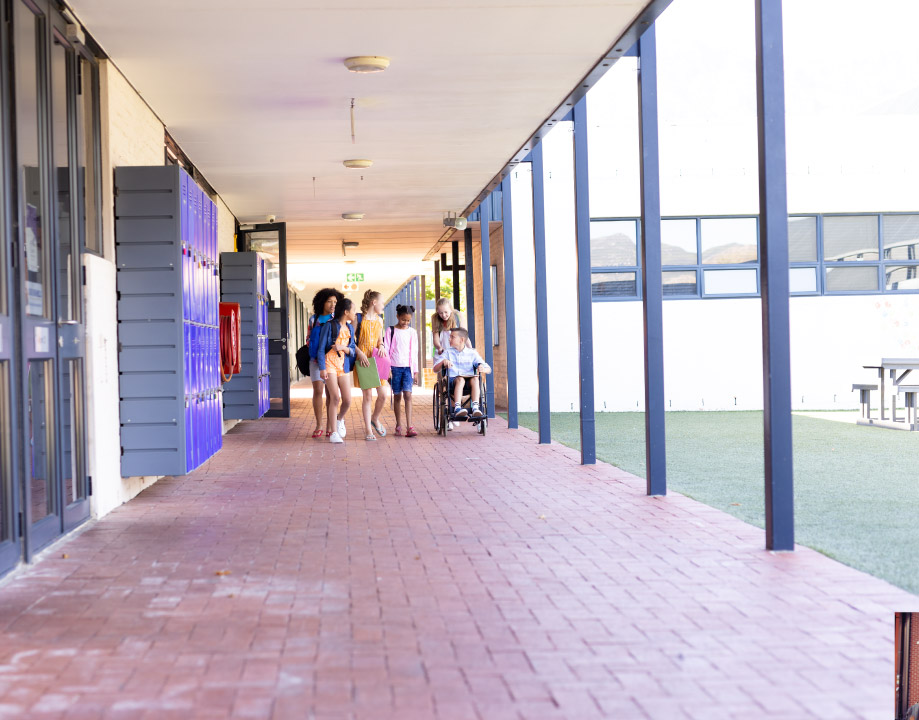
[{"x": 443, "y": 404}]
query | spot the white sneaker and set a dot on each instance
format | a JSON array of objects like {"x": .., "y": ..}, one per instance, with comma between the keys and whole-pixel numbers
[
  {"x": 335, "y": 438},
  {"x": 342, "y": 430}
]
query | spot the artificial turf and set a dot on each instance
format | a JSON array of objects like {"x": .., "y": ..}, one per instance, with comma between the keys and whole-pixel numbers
[{"x": 856, "y": 488}]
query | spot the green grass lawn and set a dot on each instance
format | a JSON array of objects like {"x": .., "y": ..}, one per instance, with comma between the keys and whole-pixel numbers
[{"x": 856, "y": 488}]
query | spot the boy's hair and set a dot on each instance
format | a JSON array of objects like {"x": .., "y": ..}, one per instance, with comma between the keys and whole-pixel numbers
[
  {"x": 462, "y": 332},
  {"x": 341, "y": 307},
  {"x": 405, "y": 310}
]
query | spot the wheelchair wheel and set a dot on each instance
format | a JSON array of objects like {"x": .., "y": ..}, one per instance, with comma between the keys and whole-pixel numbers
[
  {"x": 483, "y": 425},
  {"x": 438, "y": 406}
]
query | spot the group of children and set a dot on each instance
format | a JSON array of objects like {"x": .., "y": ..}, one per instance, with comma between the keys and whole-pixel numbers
[{"x": 338, "y": 338}]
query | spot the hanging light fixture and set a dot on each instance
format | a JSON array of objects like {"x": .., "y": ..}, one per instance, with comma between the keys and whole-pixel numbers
[
  {"x": 352, "y": 216},
  {"x": 367, "y": 63},
  {"x": 357, "y": 163}
]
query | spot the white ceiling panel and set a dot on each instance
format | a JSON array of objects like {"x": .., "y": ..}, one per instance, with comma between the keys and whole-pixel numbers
[{"x": 257, "y": 96}]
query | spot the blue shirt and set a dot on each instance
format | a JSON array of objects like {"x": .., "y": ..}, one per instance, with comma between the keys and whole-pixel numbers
[{"x": 461, "y": 361}]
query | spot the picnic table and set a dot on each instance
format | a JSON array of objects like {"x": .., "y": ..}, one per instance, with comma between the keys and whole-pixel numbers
[{"x": 897, "y": 370}]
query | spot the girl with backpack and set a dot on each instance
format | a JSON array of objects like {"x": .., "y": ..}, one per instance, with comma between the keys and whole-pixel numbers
[
  {"x": 336, "y": 358},
  {"x": 402, "y": 342},
  {"x": 324, "y": 303}
]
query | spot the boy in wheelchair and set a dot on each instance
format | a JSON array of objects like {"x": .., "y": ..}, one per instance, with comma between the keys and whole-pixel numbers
[{"x": 463, "y": 366}]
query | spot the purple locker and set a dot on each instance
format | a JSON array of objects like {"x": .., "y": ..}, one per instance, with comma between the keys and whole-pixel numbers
[
  {"x": 183, "y": 231},
  {"x": 189, "y": 435}
]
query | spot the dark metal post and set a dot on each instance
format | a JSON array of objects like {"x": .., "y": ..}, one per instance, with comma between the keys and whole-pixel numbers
[
  {"x": 651, "y": 279},
  {"x": 542, "y": 300},
  {"x": 456, "y": 269},
  {"x": 436, "y": 280},
  {"x": 487, "y": 299},
  {"x": 585, "y": 301},
  {"x": 470, "y": 283},
  {"x": 773, "y": 210},
  {"x": 510, "y": 332}
]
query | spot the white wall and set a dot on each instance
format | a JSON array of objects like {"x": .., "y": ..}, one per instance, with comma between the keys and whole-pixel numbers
[{"x": 524, "y": 294}]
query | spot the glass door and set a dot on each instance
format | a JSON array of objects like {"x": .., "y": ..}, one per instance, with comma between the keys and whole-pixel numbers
[
  {"x": 10, "y": 535},
  {"x": 269, "y": 240},
  {"x": 51, "y": 213},
  {"x": 40, "y": 498}
]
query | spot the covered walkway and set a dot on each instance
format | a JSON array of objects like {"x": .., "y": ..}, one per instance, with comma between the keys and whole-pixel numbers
[{"x": 464, "y": 577}]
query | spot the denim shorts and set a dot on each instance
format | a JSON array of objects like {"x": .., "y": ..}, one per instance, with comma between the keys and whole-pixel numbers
[{"x": 401, "y": 380}]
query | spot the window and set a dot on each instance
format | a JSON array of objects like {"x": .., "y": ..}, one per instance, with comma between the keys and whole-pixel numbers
[
  {"x": 729, "y": 241},
  {"x": 850, "y": 238},
  {"x": 719, "y": 256}
]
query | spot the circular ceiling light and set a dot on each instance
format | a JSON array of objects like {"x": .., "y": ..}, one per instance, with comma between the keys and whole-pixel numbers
[
  {"x": 367, "y": 63},
  {"x": 352, "y": 216},
  {"x": 357, "y": 163}
]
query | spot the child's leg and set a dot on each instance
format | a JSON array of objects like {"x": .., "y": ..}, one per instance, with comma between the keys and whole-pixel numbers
[
  {"x": 408, "y": 407},
  {"x": 458, "y": 385},
  {"x": 397, "y": 408},
  {"x": 344, "y": 384},
  {"x": 332, "y": 390},
  {"x": 366, "y": 402},
  {"x": 382, "y": 397},
  {"x": 474, "y": 389}
]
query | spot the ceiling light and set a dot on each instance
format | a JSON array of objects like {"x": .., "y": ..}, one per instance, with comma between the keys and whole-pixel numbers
[
  {"x": 350, "y": 243},
  {"x": 352, "y": 216},
  {"x": 367, "y": 63},
  {"x": 359, "y": 163}
]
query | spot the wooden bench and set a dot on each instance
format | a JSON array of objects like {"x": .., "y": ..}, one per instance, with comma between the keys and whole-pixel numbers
[
  {"x": 864, "y": 398},
  {"x": 909, "y": 400}
]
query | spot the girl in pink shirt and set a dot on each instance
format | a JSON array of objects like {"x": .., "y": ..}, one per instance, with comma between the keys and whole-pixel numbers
[{"x": 402, "y": 343}]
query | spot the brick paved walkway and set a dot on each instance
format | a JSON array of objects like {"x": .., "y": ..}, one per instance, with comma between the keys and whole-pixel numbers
[{"x": 289, "y": 578}]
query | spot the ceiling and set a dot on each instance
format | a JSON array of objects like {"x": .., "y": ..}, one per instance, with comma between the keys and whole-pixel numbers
[{"x": 257, "y": 96}]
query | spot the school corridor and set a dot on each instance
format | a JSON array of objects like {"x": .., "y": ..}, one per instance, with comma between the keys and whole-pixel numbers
[{"x": 459, "y": 577}]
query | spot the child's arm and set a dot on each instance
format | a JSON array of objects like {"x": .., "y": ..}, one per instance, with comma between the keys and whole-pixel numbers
[
  {"x": 443, "y": 362},
  {"x": 482, "y": 365},
  {"x": 324, "y": 331}
]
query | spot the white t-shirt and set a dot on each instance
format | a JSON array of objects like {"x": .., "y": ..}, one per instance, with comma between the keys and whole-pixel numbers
[{"x": 400, "y": 353}]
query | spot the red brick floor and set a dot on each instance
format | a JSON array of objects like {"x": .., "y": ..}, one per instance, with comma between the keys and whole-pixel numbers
[{"x": 460, "y": 577}]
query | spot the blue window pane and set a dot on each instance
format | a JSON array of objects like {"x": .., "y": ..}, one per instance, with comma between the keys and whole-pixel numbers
[
  {"x": 902, "y": 277},
  {"x": 677, "y": 283},
  {"x": 613, "y": 243},
  {"x": 614, "y": 285},
  {"x": 802, "y": 239},
  {"x": 851, "y": 279},
  {"x": 729, "y": 241},
  {"x": 901, "y": 237},
  {"x": 678, "y": 242},
  {"x": 851, "y": 238}
]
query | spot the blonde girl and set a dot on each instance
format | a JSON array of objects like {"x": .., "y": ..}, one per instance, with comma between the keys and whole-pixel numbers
[
  {"x": 445, "y": 319},
  {"x": 370, "y": 338}
]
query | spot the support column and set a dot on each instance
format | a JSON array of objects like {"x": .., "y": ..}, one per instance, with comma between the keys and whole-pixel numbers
[
  {"x": 487, "y": 299},
  {"x": 652, "y": 294},
  {"x": 436, "y": 280},
  {"x": 510, "y": 332},
  {"x": 470, "y": 283},
  {"x": 456, "y": 269},
  {"x": 585, "y": 299},
  {"x": 542, "y": 298},
  {"x": 773, "y": 211},
  {"x": 422, "y": 328}
]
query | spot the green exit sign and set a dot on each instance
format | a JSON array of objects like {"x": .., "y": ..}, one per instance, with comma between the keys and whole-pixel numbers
[{"x": 354, "y": 277}]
